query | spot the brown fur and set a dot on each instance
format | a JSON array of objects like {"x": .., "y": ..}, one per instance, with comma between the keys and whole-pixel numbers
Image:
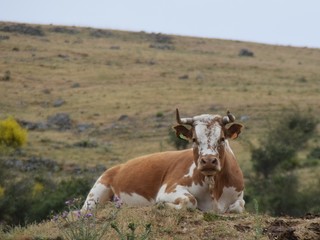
[{"x": 145, "y": 175}]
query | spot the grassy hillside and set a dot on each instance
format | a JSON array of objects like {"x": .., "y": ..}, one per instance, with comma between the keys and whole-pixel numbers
[
  {"x": 120, "y": 90},
  {"x": 169, "y": 224},
  {"x": 101, "y": 75}
]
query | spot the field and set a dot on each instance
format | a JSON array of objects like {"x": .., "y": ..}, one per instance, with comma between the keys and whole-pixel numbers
[{"x": 118, "y": 92}]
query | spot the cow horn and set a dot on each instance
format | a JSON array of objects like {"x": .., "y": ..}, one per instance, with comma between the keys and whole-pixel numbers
[
  {"x": 229, "y": 118},
  {"x": 188, "y": 121}
]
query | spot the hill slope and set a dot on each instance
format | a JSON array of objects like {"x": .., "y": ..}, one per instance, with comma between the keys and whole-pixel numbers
[
  {"x": 114, "y": 93},
  {"x": 98, "y": 76}
]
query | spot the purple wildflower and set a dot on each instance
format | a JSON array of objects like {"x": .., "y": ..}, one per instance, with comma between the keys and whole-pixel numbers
[
  {"x": 118, "y": 202},
  {"x": 88, "y": 215},
  {"x": 55, "y": 218},
  {"x": 69, "y": 202},
  {"x": 78, "y": 214},
  {"x": 64, "y": 214}
]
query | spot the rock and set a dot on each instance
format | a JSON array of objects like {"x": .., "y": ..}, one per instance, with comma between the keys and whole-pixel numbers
[
  {"x": 23, "y": 29},
  {"x": 246, "y": 53},
  {"x": 123, "y": 117},
  {"x": 64, "y": 56},
  {"x": 46, "y": 91},
  {"x": 64, "y": 30},
  {"x": 183, "y": 77},
  {"x": 32, "y": 164},
  {"x": 6, "y": 76},
  {"x": 33, "y": 125},
  {"x": 61, "y": 121},
  {"x": 58, "y": 103},
  {"x": 115, "y": 47},
  {"x": 162, "y": 46},
  {"x": 84, "y": 126},
  {"x": 161, "y": 38},
  {"x": 75, "y": 85},
  {"x": 4, "y": 37},
  {"x": 100, "y": 33},
  {"x": 86, "y": 144}
]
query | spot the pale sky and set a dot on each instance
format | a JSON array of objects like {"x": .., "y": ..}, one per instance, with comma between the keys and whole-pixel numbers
[{"x": 281, "y": 22}]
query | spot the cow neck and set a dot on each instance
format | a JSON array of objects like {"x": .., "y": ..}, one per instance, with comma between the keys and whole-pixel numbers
[{"x": 227, "y": 177}]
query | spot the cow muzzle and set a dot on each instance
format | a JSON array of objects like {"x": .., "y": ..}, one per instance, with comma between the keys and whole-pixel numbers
[{"x": 209, "y": 165}]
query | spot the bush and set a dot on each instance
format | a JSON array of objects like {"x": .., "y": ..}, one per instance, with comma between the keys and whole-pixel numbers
[
  {"x": 275, "y": 184},
  {"x": 315, "y": 153},
  {"x": 53, "y": 198},
  {"x": 33, "y": 199},
  {"x": 175, "y": 141},
  {"x": 12, "y": 135},
  {"x": 280, "y": 145}
]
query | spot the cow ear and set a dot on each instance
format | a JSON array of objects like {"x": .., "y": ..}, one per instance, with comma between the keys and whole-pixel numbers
[
  {"x": 234, "y": 130},
  {"x": 183, "y": 133}
]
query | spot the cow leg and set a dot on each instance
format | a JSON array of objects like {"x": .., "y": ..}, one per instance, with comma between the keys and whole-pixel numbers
[
  {"x": 99, "y": 194},
  {"x": 238, "y": 205},
  {"x": 178, "y": 198}
]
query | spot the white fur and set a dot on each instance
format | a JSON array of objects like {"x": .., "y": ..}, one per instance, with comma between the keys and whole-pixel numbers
[
  {"x": 230, "y": 201},
  {"x": 134, "y": 199},
  {"x": 191, "y": 170},
  {"x": 179, "y": 192},
  {"x": 202, "y": 195},
  {"x": 96, "y": 195},
  {"x": 207, "y": 135}
]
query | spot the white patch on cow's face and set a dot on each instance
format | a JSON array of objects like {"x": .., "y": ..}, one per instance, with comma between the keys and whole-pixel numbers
[
  {"x": 208, "y": 134},
  {"x": 134, "y": 199}
]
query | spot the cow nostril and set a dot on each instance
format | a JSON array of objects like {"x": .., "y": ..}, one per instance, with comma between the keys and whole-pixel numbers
[
  {"x": 203, "y": 161},
  {"x": 214, "y": 161}
]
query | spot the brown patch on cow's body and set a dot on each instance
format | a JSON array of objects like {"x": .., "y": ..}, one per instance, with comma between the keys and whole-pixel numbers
[
  {"x": 171, "y": 166},
  {"x": 139, "y": 176}
]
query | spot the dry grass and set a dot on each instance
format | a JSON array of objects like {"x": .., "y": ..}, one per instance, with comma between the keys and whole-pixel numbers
[
  {"x": 169, "y": 224},
  {"x": 121, "y": 74}
]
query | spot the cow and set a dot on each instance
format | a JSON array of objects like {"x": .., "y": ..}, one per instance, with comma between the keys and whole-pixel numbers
[{"x": 206, "y": 177}]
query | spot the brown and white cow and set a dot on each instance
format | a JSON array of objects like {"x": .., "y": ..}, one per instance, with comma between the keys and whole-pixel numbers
[{"x": 206, "y": 177}]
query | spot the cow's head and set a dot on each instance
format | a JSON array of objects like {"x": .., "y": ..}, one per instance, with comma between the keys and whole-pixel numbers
[{"x": 208, "y": 133}]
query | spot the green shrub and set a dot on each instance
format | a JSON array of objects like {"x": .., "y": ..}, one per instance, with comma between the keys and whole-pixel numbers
[
  {"x": 12, "y": 135},
  {"x": 33, "y": 199},
  {"x": 275, "y": 184},
  {"x": 175, "y": 141},
  {"x": 315, "y": 153},
  {"x": 280, "y": 145}
]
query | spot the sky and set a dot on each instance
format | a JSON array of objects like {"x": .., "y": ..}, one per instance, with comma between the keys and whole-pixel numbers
[{"x": 280, "y": 22}]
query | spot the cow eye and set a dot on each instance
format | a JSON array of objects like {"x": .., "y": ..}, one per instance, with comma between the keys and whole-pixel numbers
[
  {"x": 222, "y": 140},
  {"x": 194, "y": 140}
]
